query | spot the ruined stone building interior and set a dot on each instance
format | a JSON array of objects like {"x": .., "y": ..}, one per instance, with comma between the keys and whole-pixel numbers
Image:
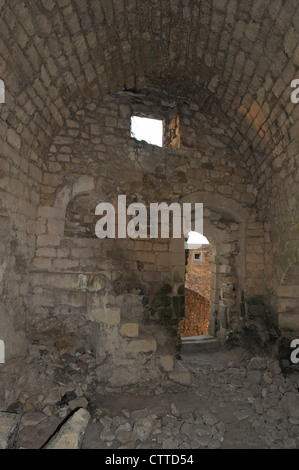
[{"x": 144, "y": 343}]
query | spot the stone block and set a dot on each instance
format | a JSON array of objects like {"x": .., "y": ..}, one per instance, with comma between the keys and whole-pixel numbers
[
  {"x": 151, "y": 276},
  {"x": 46, "y": 252},
  {"x": 64, "y": 264},
  {"x": 52, "y": 179},
  {"x": 148, "y": 345},
  {"x": 144, "y": 256},
  {"x": 71, "y": 434},
  {"x": 288, "y": 291},
  {"x": 9, "y": 426},
  {"x": 290, "y": 404},
  {"x": 160, "y": 247},
  {"x": 79, "y": 402},
  {"x": 171, "y": 259},
  {"x": 143, "y": 427},
  {"x": 56, "y": 227},
  {"x": 166, "y": 362},
  {"x": 70, "y": 281},
  {"x": 124, "y": 376},
  {"x": 84, "y": 183},
  {"x": 130, "y": 330},
  {"x": 110, "y": 316},
  {"x": 41, "y": 227},
  {"x": 48, "y": 240},
  {"x": 224, "y": 269},
  {"x": 35, "y": 172},
  {"x": 4, "y": 167},
  {"x": 53, "y": 397},
  {"x": 176, "y": 245},
  {"x": 42, "y": 263},
  {"x": 143, "y": 245},
  {"x": 288, "y": 321},
  {"x": 13, "y": 139},
  {"x": 74, "y": 299},
  {"x": 181, "y": 377},
  {"x": 51, "y": 212}
]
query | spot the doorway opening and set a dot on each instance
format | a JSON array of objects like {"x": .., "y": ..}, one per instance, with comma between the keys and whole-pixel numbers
[{"x": 197, "y": 287}]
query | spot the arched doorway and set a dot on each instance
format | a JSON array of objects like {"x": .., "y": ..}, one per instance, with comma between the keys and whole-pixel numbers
[
  {"x": 197, "y": 287},
  {"x": 224, "y": 226}
]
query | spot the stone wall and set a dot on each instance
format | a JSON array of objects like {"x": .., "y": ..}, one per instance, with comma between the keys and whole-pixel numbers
[
  {"x": 288, "y": 301},
  {"x": 94, "y": 160},
  {"x": 71, "y": 85}
]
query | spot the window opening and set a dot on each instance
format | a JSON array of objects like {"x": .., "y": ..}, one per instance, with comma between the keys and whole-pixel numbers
[{"x": 147, "y": 129}]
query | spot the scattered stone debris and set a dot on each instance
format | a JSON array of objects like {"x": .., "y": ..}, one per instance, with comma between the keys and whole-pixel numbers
[
  {"x": 229, "y": 402},
  {"x": 71, "y": 434},
  {"x": 9, "y": 426}
]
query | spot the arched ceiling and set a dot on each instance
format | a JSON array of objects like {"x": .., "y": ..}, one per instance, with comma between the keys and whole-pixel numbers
[{"x": 233, "y": 58}]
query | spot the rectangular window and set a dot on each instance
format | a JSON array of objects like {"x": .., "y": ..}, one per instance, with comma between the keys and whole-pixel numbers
[
  {"x": 147, "y": 129},
  {"x": 198, "y": 257}
]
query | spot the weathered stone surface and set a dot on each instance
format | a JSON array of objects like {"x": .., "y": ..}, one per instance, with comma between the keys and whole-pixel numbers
[
  {"x": 130, "y": 330},
  {"x": 32, "y": 418},
  {"x": 71, "y": 434},
  {"x": 257, "y": 363},
  {"x": 9, "y": 426},
  {"x": 254, "y": 376},
  {"x": 181, "y": 377},
  {"x": 209, "y": 418},
  {"x": 52, "y": 398},
  {"x": 166, "y": 362},
  {"x": 230, "y": 141},
  {"x": 142, "y": 346},
  {"x": 220, "y": 410},
  {"x": 143, "y": 427},
  {"x": 79, "y": 402},
  {"x": 110, "y": 316},
  {"x": 107, "y": 435},
  {"x": 290, "y": 404}
]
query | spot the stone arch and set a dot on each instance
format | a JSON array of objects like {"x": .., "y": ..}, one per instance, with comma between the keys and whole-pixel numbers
[
  {"x": 197, "y": 290},
  {"x": 227, "y": 237},
  {"x": 82, "y": 184},
  {"x": 80, "y": 217},
  {"x": 65, "y": 273},
  {"x": 52, "y": 218}
]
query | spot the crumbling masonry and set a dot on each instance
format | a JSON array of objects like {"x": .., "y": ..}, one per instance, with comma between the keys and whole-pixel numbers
[{"x": 218, "y": 74}]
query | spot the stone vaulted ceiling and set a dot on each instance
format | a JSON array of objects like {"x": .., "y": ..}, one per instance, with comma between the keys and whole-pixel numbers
[{"x": 235, "y": 59}]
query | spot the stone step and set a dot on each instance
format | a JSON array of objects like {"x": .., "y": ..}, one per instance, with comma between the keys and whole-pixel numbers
[{"x": 197, "y": 344}]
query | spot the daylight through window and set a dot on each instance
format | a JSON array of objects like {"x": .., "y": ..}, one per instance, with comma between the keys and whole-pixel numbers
[{"x": 149, "y": 130}]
